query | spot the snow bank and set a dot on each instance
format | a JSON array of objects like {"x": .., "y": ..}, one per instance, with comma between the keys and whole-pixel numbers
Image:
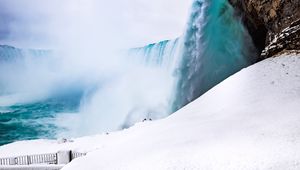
[{"x": 249, "y": 121}]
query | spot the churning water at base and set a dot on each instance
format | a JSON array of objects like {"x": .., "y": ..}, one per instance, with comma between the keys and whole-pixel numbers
[
  {"x": 149, "y": 82},
  {"x": 32, "y": 121}
]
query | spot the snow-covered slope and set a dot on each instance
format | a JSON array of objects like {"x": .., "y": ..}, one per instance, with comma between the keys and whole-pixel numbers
[{"x": 249, "y": 121}]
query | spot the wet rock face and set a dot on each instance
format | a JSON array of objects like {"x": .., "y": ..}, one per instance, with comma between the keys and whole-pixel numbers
[{"x": 273, "y": 24}]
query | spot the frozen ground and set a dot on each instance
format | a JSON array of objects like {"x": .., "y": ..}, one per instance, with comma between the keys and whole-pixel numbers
[{"x": 249, "y": 121}]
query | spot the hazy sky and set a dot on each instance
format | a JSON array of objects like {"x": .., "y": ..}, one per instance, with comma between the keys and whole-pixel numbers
[{"x": 45, "y": 23}]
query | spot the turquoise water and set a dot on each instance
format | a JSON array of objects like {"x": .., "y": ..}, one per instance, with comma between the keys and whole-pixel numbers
[{"x": 34, "y": 120}]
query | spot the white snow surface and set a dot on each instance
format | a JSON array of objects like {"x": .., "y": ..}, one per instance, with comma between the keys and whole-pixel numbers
[{"x": 249, "y": 121}]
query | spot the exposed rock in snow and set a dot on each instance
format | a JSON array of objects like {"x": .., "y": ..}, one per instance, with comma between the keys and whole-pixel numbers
[{"x": 249, "y": 121}]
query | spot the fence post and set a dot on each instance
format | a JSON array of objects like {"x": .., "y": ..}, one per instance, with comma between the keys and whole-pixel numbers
[
  {"x": 28, "y": 160},
  {"x": 63, "y": 157},
  {"x": 12, "y": 161}
]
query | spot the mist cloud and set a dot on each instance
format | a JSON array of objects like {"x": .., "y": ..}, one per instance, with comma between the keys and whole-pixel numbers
[
  {"x": 89, "y": 39},
  {"x": 124, "y": 23}
]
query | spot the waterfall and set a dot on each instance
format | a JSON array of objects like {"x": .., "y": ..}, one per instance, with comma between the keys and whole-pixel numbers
[
  {"x": 163, "y": 54},
  {"x": 9, "y": 53},
  {"x": 115, "y": 91},
  {"x": 161, "y": 60},
  {"x": 215, "y": 46},
  {"x": 14, "y": 62}
]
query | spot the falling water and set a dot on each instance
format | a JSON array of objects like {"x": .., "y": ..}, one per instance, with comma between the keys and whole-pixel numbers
[{"x": 216, "y": 45}]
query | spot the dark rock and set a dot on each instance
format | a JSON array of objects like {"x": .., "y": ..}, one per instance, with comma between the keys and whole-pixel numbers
[
  {"x": 287, "y": 39},
  {"x": 273, "y": 24}
]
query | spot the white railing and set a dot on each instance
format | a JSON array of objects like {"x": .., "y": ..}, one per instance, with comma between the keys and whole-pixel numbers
[
  {"x": 75, "y": 155},
  {"x": 61, "y": 157},
  {"x": 31, "y": 167}
]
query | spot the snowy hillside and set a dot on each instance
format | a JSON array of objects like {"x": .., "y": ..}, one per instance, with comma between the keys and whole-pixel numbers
[{"x": 249, "y": 121}]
